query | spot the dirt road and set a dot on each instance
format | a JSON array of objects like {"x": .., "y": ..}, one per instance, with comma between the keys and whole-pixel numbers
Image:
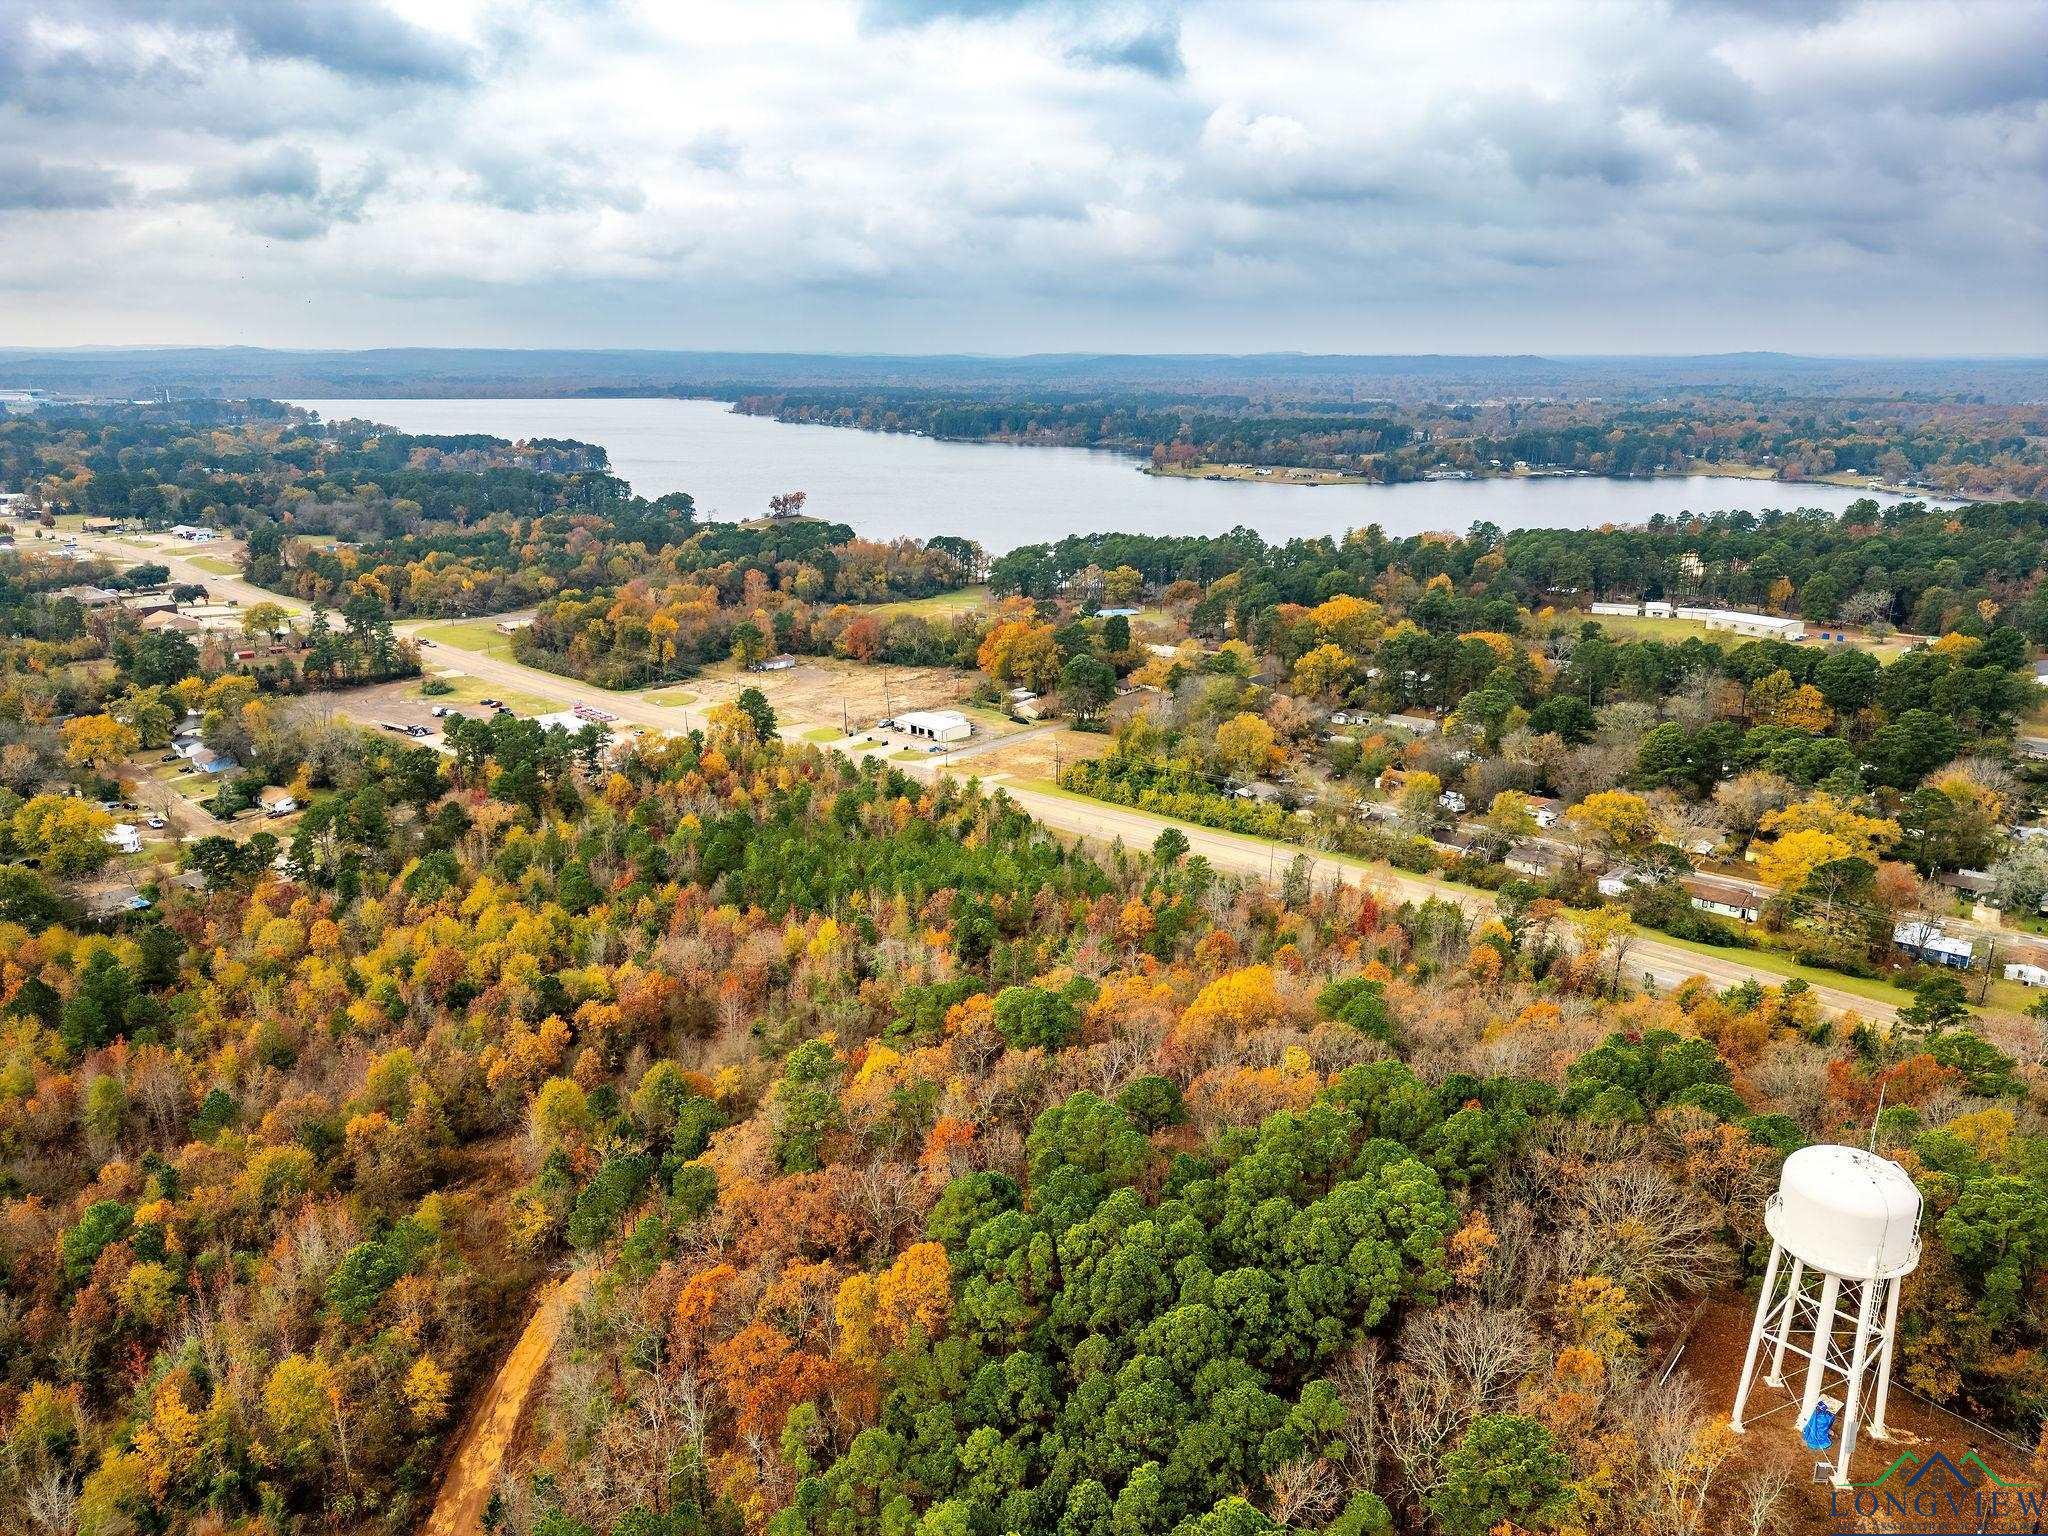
[{"x": 479, "y": 1455}]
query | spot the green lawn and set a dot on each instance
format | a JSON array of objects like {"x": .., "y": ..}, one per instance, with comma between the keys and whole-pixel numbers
[
  {"x": 217, "y": 565},
  {"x": 482, "y": 635},
  {"x": 824, "y": 733},
  {"x": 942, "y": 606},
  {"x": 1676, "y": 631},
  {"x": 466, "y": 693},
  {"x": 1670, "y": 631},
  {"x": 195, "y": 786},
  {"x": 1786, "y": 966},
  {"x": 676, "y": 698},
  {"x": 911, "y": 755}
]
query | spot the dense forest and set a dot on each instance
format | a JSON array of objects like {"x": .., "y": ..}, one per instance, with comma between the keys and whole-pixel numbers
[
  {"x": 1950, "y": 446},
  {"x": 1920, "y": 569},
  {"x": 932, "y": 1177}
]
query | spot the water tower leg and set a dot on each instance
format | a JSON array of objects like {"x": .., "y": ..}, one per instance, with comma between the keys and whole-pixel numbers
[
  {"x": 1756, "y": 1338},
  {"x": 1859, "y": 1360},
  {"x": 1878, "y": 1431},
  {"x": 1817, "y": 1359},
  {"x": 1777, "y": 1376}
]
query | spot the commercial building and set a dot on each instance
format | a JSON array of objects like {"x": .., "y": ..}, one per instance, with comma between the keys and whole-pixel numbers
[
  {"x": 935, "y": 725},
  {"x": 1619, "y": 610},
  {"x": 1757, "y": 626}
]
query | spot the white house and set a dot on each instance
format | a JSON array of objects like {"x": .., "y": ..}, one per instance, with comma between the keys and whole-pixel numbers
[
  {"x": 1414, "y": 725},
  {"x": 1615, "y": 883},
  {"x": 1657, "y": 610},
  {"x": 191, "y": 533},
  {"x": 1452, "y": 801},
  {"x": 935, "y": 724},
  {"x": 1757, "y": 626},
  {"x": 122, "y": 838},
  {"x": 1618, "y": 610},
  {"x": 774, "y": 664},
  {"x": 277, "y": 802},
  {"x": 2027, "y": 973},
  {"x": 1545, "y": 810},
  {"x": 1724, "y": 898}
]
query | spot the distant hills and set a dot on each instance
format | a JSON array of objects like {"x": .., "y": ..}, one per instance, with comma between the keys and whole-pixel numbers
[{"x": 1271, "y": 378}]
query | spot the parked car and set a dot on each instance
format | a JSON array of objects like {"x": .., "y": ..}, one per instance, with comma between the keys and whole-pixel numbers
[
  {"x": 156, "y": 823},
  {"x": 440, "y": 711},
  {"x": 490, "y": 704}
]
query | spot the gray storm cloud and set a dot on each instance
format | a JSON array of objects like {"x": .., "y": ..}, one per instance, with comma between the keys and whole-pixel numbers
[{"x": 1028, "y": 174}]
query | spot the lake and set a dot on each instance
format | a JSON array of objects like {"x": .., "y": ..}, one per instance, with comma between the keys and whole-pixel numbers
[{"x": 887, "y": 484}]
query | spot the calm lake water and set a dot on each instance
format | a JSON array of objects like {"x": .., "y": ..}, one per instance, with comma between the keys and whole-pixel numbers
[{"x": 886, "y": 484}]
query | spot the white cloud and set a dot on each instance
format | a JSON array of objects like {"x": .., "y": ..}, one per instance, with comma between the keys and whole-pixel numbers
[{"x": 1026, "y": 174}]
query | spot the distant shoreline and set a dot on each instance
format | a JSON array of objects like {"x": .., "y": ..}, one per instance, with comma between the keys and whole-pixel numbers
[{"x": 1301, "y": 476}]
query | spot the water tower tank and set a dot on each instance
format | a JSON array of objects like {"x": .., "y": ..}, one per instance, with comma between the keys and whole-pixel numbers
[{"x": 1847, "y": 1212}]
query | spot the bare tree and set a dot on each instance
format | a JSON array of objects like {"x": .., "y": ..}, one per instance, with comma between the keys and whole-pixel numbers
[
  {"x": 1304, "y": 1492},
  {"x": 1680, "y": 1454},
  {"x": 1757, "y": 1499},
  {"x": 1634, "y": 1224}
]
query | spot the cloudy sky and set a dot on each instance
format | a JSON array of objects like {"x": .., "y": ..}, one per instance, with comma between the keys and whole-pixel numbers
[{"x": 1002, "y": 176}]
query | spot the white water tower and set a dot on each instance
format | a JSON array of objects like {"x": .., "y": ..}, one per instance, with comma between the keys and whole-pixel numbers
[{"x": 1848, "y": 1220}]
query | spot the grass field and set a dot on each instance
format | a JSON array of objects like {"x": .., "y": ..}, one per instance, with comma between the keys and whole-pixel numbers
[
  {"x": 480, "y": 635},
  {"x": 1670, "y": 631},
  {"x": 468, "y": 692},
  {"x": 217, "y": 565},
  {"x": 822, "y": 734},
  {"x": 674, "y": 697},
  {"x": 942, "y": 606},
  {"x": 1676, "y": 631}
]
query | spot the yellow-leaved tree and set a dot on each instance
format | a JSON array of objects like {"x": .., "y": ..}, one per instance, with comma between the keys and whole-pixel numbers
[{"x": 1245, "y": 745}]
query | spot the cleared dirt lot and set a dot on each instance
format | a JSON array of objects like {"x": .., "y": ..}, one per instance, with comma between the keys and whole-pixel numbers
[
  {"x": 812, "y": 692},
  {"x": 1038, "y": 756}
]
